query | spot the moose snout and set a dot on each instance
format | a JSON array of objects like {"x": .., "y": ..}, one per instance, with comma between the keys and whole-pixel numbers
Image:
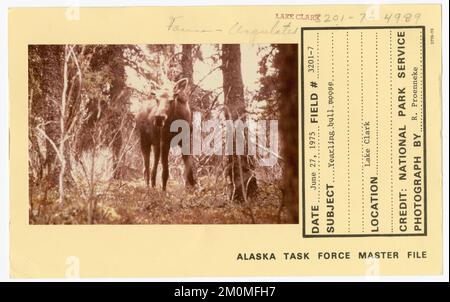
[{"x": 160, "y": 120}]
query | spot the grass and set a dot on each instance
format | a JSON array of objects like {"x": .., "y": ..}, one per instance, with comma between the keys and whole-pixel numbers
[{"x": 130, "y": 202}]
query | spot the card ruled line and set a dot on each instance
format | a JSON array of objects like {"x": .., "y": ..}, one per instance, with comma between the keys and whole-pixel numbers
[
  {"x": 390, "y": 130},
  {"x": 376, "y": 103},
  {"x": 421, "y": 81},
  {"x": 318, "y": 131},
  {"x": 362, "y": 131},
  {"x": 318, "y": 55},
  {"x": 348, "y": 133},
  {"x": 332, "y": 80}
]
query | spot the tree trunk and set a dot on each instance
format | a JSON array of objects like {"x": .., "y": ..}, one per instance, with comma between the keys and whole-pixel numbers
[
  {"x": 117, "y": 107},
  {"x": 50, "y": 78},
  {"x": 62, "y": 126},
  {"x": 186, "y": 62},
  {"x": 287, "y": 62},
  {"x": 242, "y": 181},
  {"x": 187, "y": 68}
]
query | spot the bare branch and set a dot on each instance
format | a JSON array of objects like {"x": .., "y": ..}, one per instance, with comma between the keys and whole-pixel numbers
[{"x": 52, "y": 143}]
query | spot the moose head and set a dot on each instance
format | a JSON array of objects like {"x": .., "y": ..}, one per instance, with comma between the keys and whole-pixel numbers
[{"x": 172, "y": 102}]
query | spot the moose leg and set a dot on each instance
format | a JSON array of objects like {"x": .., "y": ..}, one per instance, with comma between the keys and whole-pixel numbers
[
  {"x": 189, "y": 170},
  {"x": 165, "y": 164},
  {"x": 156, "y": 152},
  {"x": 145, "y": 149},
  {"x": 146, "y": 155}
]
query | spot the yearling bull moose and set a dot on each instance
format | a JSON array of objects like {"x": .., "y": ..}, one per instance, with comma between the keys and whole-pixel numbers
[{"x": 167, "y": 105}]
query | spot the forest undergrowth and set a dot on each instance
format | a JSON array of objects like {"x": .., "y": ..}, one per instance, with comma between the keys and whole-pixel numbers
[{"x": 131, "y": 202}]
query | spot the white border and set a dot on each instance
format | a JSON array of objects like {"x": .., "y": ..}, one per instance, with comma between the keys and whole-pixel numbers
[{"x": 4, "y": 135}]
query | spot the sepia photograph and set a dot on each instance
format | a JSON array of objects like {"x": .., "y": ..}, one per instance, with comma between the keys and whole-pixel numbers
[
  {"x": 223, "y": 142},
  {"x": 163, "y": 134}
]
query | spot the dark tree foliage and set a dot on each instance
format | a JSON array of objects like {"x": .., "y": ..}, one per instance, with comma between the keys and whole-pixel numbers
[
  {"x": 287, "y": 63},
  {"x": 269, "y": 91},
  {"x": 108, "y": 98},
  {"x": 44, "y": 90}
]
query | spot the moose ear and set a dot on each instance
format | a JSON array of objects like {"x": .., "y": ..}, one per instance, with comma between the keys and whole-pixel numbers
[{"x": 181, "y": 84}]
